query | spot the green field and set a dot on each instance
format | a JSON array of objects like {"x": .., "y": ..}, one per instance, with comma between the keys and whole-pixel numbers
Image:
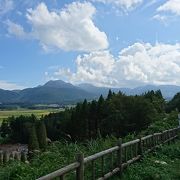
[{"x": 4, "y": 114}]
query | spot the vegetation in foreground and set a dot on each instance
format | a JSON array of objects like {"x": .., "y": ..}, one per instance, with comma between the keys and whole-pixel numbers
[
  {"x": 164, "y": 164},
  {"x": 60, "y": 154}
]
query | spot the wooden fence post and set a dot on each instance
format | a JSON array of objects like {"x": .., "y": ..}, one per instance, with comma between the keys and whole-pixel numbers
[
  {"x": 173, "y": 134},
  {"x": 140, "y": 148},
  {"x": 6, "y": 156},
  {"x": 153, "y": 141},
  {"x": 119, "y": 156},
  {"x": 17, "y": 156},
  {"x": 1, "y": 157},
  {"x": 177, "y": 132},
  {"x": 23, "y": 157},
  {"x": 169, "y": 136},
  {"x": 162, "y": 137},
  {"x": 80, "y": 169}
]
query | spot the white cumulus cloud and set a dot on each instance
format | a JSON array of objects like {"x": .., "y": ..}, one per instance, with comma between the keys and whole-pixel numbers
[
  {"x": 138, "y": 64},
  {"x": 168, "y": 11},
  {"x": 70, "y": 29},
  {"x": 95, "y": 67},
  {"x": 125, "y": 5},
  {"x": 172, "y": 6}
]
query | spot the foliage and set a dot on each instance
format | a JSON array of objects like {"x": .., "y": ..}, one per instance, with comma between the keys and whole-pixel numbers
[
  {"x": 41, "y": 134},
  {"x": 57, "y": 155},
  {"x": 156, "y": 98},
  {"x": 116, "y": 115},
  {"x": 162, "y": 165},
  {"x": 162, "y": 122},
  {"x": 174, "y": 103},
  {"x": 33, "y": 143},
  {"x": 26, "y": 130}
]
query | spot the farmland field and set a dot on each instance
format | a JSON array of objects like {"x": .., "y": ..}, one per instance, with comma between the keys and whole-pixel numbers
[{"x": 4, "y": 114}]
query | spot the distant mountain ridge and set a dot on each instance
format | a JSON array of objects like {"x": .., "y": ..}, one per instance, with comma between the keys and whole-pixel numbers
[
  {"x": 168, "y": 91},
  {"x": 58, "y": 92},
  {"x": 61, "y": 92}
]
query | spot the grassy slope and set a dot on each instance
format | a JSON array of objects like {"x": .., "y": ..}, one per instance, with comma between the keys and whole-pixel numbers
[{"x": 163, "y": 164}]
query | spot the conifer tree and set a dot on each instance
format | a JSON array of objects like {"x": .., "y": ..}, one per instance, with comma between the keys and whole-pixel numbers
[
  {"x": 92, "y": 118},
  {"x": 100, "y": 111},
  {"x": 41, "y": 134},
  {"x": 110, "y": 94},
  {"x": 84, "y": 115},
  {"x": 33, "y": 141}
]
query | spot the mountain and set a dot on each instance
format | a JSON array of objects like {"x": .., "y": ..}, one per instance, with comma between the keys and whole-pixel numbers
[
  {"x": 8, "y": 96},
  {"x": 168, "y": 91},
  {"x": 60, "y": 92},
  {"x": 59, "y": 84},
  {"x": 52, "y": 92},
  {"x": 94, "y": 89}
]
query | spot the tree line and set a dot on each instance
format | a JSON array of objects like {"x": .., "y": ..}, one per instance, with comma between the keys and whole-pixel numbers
[{"x": 117, "y": 114}]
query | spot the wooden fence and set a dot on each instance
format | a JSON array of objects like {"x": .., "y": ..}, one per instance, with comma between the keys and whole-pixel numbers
[
  {"x": 120, "y": 157},
  {"x": 6, "y": 156}
]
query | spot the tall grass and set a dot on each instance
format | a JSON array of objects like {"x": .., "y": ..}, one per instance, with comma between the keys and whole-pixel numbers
[
  {"x": 163, "y": 164},
  {"x": 57, "y": 155}
]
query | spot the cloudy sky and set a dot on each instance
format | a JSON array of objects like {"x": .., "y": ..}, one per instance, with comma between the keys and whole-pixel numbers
[{"x": 114, "y": 43}]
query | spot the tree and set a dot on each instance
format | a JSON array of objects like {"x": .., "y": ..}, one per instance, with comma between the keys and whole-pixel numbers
[
  {"x": 110, "y": 94},
  {"x": 33, "y": 140},
  {"x": 41, "y": 134},
  {"x": 92, "y": 118},
  {"x": 84, "y": 116},
  {"x": 159, "y": 94},
  {"x": 174, "y": 103},
  {"x": 156, "y": 99},
  {"x": 100, "y": 113},
  {"x": 5, "y": 129}
]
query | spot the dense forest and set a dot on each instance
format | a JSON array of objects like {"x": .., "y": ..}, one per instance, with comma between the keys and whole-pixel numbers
[
  {"x": 117, "y": 114},
  {"x": 174, "y": 104}
]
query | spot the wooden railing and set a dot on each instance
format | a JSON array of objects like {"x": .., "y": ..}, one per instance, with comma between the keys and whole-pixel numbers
[
  {"x": 6, "y": 156},
  {"x": 118, "y": 158}
]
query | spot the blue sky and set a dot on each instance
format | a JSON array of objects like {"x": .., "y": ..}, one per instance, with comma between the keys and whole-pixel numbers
[{"x": 114, "y": 43}]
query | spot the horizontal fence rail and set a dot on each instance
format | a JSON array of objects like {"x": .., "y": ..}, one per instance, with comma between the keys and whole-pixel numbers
[{"x": 117, "y": 158}]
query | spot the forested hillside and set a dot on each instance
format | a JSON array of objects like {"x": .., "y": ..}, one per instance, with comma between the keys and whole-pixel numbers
[{"x": 116, "y": 115}]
